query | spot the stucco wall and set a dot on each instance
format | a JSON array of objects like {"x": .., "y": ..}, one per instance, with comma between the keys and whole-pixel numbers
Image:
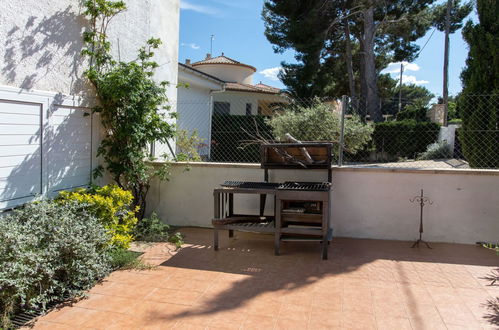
[
  {"x": 238, "y": 101},
  {"x": 194, "y": 113},
  {"x": 229, "y": 73},
  {"x": 41, "y": 42},
  {"x": 368, "y": 203}
]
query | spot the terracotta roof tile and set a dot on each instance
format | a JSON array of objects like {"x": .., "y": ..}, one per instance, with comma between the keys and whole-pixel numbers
[
  {"x": 267, "y": 87},
  {"x": 222, "y": 60},
  {"x": 259, "y": 88}
]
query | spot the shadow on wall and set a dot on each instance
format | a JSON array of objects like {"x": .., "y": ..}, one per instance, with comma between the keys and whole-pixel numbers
[
  {"x": 66, "y": 149},
  {"x": 43, "y": 45}
]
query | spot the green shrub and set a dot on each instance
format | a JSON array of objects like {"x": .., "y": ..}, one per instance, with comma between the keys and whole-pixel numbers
[
  {"x": 229, "y": 132},
  {"x": 413, "y": 111},
  {"x": 405, "y": 138},
  {"x": 111, "y": 205},
  {"x": 455, "y": 121},
  {"x": 437, "y": 150},
  {"x": 479, "y": 133},
  {"x": 49, "y": 252},
  {"x": 126, "y": 259},
  {"x": 187, "y": 146},
  {"x": 176, "y": 239},
  {"x": 318, "y": 122},
  {"x": 152, "y": 229}
]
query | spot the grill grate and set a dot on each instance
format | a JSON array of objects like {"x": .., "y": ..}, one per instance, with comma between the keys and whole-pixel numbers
[
  {"x": 250, "y": 185},
  {"x": 305, "y": 186},
  {"x": 288, "y": 185}
]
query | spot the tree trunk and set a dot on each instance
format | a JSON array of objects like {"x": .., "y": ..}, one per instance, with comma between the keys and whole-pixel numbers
[
  {"x": 445, "y": 93},
  {"x": 372, "y": 96},
  {"x": 361, "y": 99},
  {"x": 348, "y": 53}
]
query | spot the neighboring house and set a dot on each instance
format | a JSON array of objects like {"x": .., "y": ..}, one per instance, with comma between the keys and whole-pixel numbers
[
  {"x": 220, "y": 86},
  {"x": 241, "y": 96},
  {"x": 47, "y": 142},
  {"x": 195, "y": 103}
]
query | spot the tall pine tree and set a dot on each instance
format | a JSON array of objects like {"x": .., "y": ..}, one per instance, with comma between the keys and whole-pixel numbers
[
  {"x": 479, "y": 101},
  {"x": 320, "y": 32}
]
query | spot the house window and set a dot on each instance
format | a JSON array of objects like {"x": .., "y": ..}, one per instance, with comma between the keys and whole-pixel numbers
[
  {"x": 248, "y": 109},
  {"x": 221, "y": 108}
]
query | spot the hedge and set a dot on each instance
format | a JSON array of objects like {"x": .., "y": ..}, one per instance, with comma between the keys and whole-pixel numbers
[
  {"x": 230, "y": 131},
  {"x": 405, "y": 138}
]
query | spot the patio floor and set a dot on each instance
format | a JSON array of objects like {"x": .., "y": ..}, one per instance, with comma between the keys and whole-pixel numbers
[{"x": 365, "y": 284}]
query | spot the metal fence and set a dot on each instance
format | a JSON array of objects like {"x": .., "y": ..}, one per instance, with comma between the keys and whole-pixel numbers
[{"x": 395, "y": 133}]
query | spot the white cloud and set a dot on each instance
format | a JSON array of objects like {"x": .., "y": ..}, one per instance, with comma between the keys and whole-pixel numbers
[
  {"x": 192, "y": 45},
  {"x": 394, "y": 67},
  {"x": 408, "y": 79},
  {"x": 186, "y": 5},
  {"x": 271, "y": 73}
]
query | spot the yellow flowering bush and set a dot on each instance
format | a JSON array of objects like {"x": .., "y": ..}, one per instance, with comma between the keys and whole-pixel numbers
[{"x": 111, "y": 205}]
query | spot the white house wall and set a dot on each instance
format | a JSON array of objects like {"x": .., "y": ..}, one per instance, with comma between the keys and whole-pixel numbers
[
  {"x": 46, "y": 141},
  {"x": 42, "y": 42},
  {"x": 238, "y": 101},
  {"x": 194, "y": 110},
  {"x": 229, "y": 73}
]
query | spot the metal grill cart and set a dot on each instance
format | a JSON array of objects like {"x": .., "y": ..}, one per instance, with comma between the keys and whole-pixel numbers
[{"x": 301, "y": 209}]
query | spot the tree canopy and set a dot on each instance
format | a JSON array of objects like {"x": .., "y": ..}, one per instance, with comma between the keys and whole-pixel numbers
[
  {"x": 479, "y": 101},
  {"x": 342, "y": 46}
]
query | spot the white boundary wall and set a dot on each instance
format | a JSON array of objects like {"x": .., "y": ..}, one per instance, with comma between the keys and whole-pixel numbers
[{"x": 366, "y": 202}]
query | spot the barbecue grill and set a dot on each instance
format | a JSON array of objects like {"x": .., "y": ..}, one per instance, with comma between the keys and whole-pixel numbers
[
  {"x": 288, "y": 185},
  {"x": 301, "y": 209}
]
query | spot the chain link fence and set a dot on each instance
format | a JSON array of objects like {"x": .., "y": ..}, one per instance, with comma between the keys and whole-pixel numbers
[{"x": 406, "y": 133}]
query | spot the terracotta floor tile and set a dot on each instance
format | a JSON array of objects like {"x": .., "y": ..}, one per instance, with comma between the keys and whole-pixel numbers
[
  {"x": 124, "y": 321},
  {"x": 262, "y": 308},
  {"x": 415, "y": 294},
  {"x": 227, "y": 320},
  {"x": 326, "y": 302},
  {"x": 457, "y": 314},
  {"x": 364, "y": 284},
  {"x": 325, "y": 318},
  {"x": 108, "y": 303},
  {"x": 427, "y": 324},
  {"x": 443, "y": 296},
  {"x": 181, "y": 297},
  {"x": 358, "y": 304},
  {"x": 42, "y": 325},
  {"x": 70, "y": 315},
  {"x": 356, "y": 320},
  {"x": 388, "y": 309},
  {"x": 290, "y": 324},
  {"x": 475, "y": 326},
  {"x": 119, "y": 289},
  {"x": 421, "y": 311},
  {"x": 393, "y": 323},
  {"x": 258, "y": 322},
  {"x": 110, "y": 320},
  {"x": 295, "y": 312}
]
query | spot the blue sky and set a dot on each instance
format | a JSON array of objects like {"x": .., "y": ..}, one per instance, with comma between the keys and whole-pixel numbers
[{"x": 238, "y": 30}]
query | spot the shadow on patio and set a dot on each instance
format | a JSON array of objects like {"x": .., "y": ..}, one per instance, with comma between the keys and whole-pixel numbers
[{"x": 365, "y": 283}]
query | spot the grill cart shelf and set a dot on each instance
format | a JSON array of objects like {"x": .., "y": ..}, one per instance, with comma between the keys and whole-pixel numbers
[{"x": 301, "y": 209}]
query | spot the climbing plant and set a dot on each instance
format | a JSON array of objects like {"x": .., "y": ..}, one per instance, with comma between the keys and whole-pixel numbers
[{"x": 133, "y": 107}]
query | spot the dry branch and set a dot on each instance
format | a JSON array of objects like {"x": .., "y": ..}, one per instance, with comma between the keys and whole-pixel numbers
[{"x": 303, "y": 151}]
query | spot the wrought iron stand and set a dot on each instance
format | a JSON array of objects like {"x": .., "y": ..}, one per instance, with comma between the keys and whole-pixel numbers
[{"x": 422, "y": 200}]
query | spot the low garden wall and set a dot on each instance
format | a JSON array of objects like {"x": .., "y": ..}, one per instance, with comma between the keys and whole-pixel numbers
[{"x": 366, "y": 202}]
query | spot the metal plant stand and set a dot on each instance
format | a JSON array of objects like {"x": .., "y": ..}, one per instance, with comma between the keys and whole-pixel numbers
[{"x": 422, "y": 200}]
